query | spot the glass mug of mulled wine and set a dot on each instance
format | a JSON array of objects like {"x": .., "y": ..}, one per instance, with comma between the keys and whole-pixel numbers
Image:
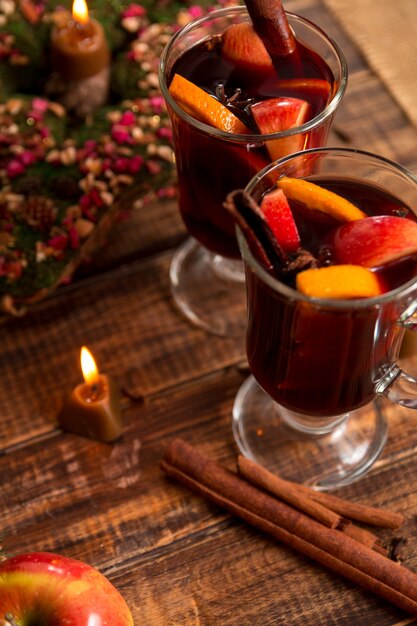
[
  {"x": 327, "y": 310},
  {"x": 216, "y": 59}
]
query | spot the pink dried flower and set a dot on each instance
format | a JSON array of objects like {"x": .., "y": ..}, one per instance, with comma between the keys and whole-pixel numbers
[
  {"x": 164, "y": 132},
  {"x": 154, "y": 167},
  {"x": 74, "y": 238},
  {"x": 40, "y": 105},
  {"x": 133, "y": 10},
  {"x": 26, "y": 158},
  {"x": 88, "y": 201},
  {"x": 121, "y": 135},
  {"x": 90, "y": 145},
  {"x": 128, "y": 118},
  {"x": 59, "y": 242},
  {"x": 85, "y": 202},
  {"x": 14, "y": 168},
  {"x": 106, "y": 164},
  {"x": 135, "y": 164},
  {"x": 167, "y": 192},
  {"x": 121, "y": 165},
  {"x": 36, "y": 115},
  {"x": 157, "y": 103},
  {"x": 195, "y": 11},
  {"x": 95, "y": 197}
]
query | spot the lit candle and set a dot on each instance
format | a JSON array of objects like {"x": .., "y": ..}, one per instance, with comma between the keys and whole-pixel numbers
[
  {"x": 79, "y": 48},
  {"x": 93, "y": 407}
]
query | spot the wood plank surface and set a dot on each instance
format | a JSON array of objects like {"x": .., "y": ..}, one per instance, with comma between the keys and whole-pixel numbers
[{"x": 177, "y": 559}]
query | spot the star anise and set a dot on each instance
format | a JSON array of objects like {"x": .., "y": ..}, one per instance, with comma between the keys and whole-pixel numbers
[
  {"x": 234, "y": 101},
  {"x": 302, "y": 260}
]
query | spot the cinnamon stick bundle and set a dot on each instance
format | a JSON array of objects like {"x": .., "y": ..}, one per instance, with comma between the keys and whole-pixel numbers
[
  {"x": 304, "y": 499},
  {"x": 327, "y": 546}
]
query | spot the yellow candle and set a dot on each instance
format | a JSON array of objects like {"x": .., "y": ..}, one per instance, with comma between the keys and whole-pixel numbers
[
  {"x": 78, "y": 46},
  {"x": 93, "y": 407}
]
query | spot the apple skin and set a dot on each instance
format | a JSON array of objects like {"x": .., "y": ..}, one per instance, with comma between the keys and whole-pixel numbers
[
  {"x": 375, "y": 241},
  {"x": 278, "y": 114},
  {"x": 280, "y": 219},
  {"x": 46, "y": 589}
]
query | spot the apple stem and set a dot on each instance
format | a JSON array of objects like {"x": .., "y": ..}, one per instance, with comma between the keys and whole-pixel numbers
[{"x": 10, "y": 621}]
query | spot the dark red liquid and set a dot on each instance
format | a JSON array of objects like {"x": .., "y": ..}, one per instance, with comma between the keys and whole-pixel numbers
[
  {"x": 319, "y": 360},
  {"x": 210, "y": 167}
]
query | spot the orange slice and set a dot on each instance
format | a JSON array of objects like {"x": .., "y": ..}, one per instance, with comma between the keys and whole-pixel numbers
[
  {"x": 204, "y": 107},
  {"x": 316, "y": 197},
  {"x": 339, "y": 282}
]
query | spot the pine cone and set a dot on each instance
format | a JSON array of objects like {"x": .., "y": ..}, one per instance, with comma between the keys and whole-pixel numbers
[
  {"x": 66, "y": 187},
  {"x": 39, "y": 212},
  {"x": 28, "y": 185}
]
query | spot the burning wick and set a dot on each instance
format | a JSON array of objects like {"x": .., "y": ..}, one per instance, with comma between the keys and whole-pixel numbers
[
  {"x": 80, "y": 11},
  {"x": 90, "y": 373}
]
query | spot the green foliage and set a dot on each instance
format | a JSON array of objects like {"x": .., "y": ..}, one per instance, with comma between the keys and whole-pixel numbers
[{"x": 32, "y": 40}]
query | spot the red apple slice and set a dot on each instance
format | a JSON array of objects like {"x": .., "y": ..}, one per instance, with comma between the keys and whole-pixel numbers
[
  {"x": 242, "y": 46},
  {"x": 278, "y": 114},
  {"x": 280, "y": 219},
  {"x": 375, "y": 241}
]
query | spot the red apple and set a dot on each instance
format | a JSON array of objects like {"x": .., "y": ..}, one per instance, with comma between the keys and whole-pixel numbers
[
  {"x": 278, "y": 114},
  {"x": 280, "y": 219},
  {"x": 375, "y": 241},
  {"x": 46, "y": 589},
  {"x": 242, "y": 46}
]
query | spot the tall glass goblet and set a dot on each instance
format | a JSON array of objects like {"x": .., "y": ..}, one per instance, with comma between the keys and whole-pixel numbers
[
  {"x": 310, "y": 410},
  {"x": 207, "y": 278}
]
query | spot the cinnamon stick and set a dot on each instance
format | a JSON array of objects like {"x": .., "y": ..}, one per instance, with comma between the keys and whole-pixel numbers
[
  {"x": 260, "y": 477},
  {"x": 271, "y": 24},
  {"x": 362, "y": 535},
  {"x": 325, "y": 545},
  {"x": 261, "y": 240},
  {"x": 382, "y": 518},
  {"x": 303, "y": 500}
]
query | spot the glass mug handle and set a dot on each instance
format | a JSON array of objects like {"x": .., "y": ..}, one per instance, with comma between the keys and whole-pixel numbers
[{"x": 397, "y": 385}]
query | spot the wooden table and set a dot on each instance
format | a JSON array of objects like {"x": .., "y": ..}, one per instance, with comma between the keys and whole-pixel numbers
[{"x": 176, "y": 559}]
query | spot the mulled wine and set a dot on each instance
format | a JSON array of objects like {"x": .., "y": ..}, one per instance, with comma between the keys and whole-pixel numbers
[
  {"x": 323, "y": 359},
  {"x": 211, "y": 162},
  {"x": 329, "y": 242}
]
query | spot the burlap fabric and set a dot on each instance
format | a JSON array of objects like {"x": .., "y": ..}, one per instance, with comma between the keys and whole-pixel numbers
[{"x": 385, "y": 31}]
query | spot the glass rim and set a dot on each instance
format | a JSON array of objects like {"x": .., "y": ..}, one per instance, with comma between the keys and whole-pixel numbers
[
  {"x": 319, "y": 119},
  {"x": 278, "y": 286}
]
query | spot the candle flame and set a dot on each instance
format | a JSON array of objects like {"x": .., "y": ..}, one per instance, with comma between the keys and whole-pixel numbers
[
  {"x": 89, "y": 367},
  {"x": 80, "y": 11}
]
